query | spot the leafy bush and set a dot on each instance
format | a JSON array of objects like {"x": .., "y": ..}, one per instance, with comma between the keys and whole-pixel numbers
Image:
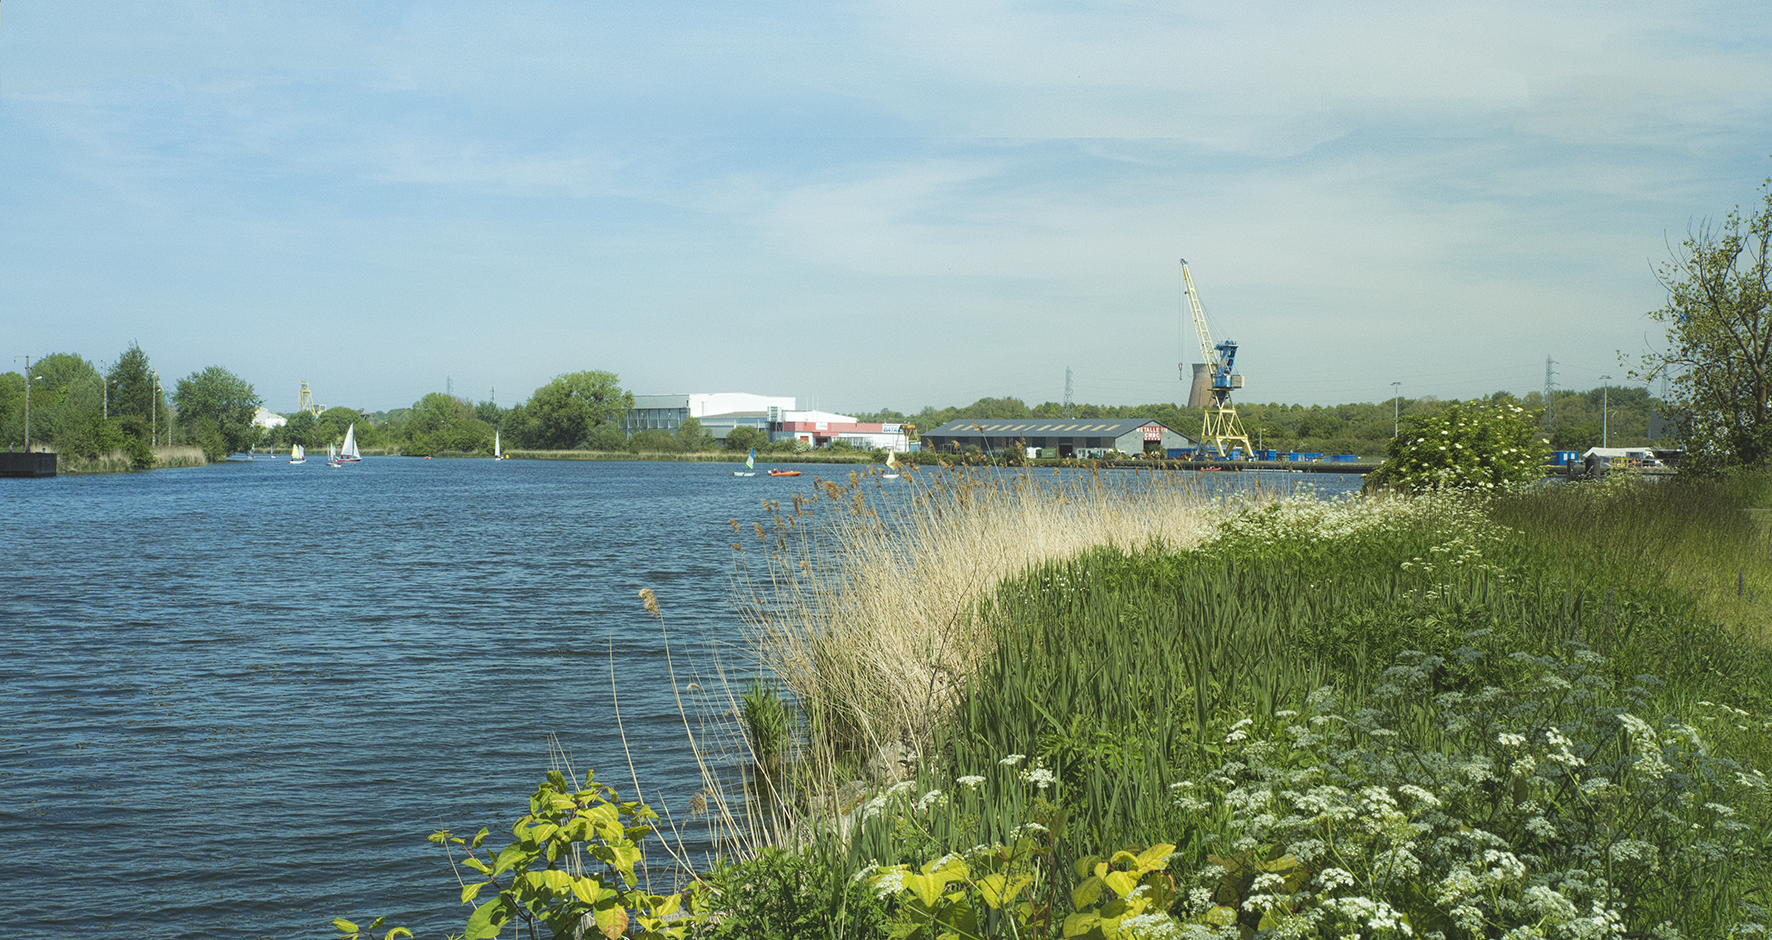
[
  {"x": 784, "y": 895},
  {"x": 1465, "y": 446},
  {"x": 570, "y": 869}
]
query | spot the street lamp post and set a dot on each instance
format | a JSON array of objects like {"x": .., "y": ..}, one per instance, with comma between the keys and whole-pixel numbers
[
  {"x": 1396, "y": 406},
  {"x": 27, "y": 404}
]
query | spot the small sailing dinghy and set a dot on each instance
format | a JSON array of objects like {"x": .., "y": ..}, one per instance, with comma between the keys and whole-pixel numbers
[
  {"x": 348, "y": 453},
  {"x": 297, "y": 455},
  {"x": 891, "y": 467},
  {"x": 750, "y": 465},
  {"x": 332, "y": 457},
  {"x": 497, "y": 452}
]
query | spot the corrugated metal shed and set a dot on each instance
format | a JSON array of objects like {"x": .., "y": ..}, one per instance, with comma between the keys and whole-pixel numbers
[
  {"x": 1039, "y": 427},
  {"x": 1069, "y": 436}
]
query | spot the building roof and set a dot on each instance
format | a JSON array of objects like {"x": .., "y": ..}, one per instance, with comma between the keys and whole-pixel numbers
[{"x": 1040, "y": 427}]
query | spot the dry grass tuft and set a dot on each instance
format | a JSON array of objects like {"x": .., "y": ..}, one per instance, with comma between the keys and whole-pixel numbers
[{"x": 864, "y": 599}]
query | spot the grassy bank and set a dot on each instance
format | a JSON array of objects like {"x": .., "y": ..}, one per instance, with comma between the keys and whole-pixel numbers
[
  {"x": 1577, "y": 672},
  {"x": 1101, "y": 705},
  {"x": 172, "y": 456}
]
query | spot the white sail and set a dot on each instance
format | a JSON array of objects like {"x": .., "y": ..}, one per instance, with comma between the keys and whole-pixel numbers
[
  {"x": 349, "y": 451},
  {"x": 496, "y": 452},
  {"x": 296, "y": 454}
]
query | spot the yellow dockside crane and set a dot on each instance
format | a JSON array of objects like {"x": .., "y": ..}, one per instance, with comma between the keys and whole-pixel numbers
[{"x": 1221, "y": 426}]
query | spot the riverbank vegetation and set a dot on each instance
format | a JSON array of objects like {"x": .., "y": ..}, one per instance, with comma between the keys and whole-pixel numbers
[
  {"x": 1120, "y": 705},
  {"x": 118, "y": 417},
  {"x": 1455, "y": 714}
]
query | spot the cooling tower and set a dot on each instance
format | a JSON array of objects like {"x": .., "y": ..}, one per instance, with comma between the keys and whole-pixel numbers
[{"x": 1200, "y": 394}]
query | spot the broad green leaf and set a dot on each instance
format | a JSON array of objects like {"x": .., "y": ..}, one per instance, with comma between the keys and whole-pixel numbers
[
  {"x": 557, "y": 880},
  {"x": 927, "y": 888},
  {"x": 1221, "y": 916},
  {"x": 344, "y": 925},
  {"x": 587, "y": 890},
  {"x": 1086, "y": 865},
  {"x": 1078, "y": 924},
  {"x": 396, "y": 933},
  {"x": 477, "y": 865},
  {"x": 612, "y": 919},
  {"x": 508, "y": 858},
  {"x": 999, "y": 890},
  {"x": 472, "y": 891},
  {"x": 1120, "y": 882},
  {"x": 1157, "y": 856},
  {"x": 488, "y": 919},
  {"x": 1086, "y": 894},
  {"x": 480, "y": 837}
]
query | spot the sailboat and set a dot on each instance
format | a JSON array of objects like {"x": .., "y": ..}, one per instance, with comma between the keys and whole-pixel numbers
[
  {"x": 891, "y": 467},
  {"x": 750, "y": 465},
  {"x": 332, "y": 457},
  {"x": 497, "y": 452},
  {"x": 348, "y": 453},
  {"x": 297, "y": 455}
]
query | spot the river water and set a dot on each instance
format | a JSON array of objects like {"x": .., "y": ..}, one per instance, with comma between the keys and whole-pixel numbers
[{"x": 236, "y": 699}]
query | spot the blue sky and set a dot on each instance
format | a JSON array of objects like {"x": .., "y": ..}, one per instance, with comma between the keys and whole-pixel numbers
[{"x": 864, "y": 204}]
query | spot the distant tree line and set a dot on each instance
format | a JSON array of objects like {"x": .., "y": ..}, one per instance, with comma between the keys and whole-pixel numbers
[
  {"x": 84, "y": 412},
  {"x": 1570, "y": 421}
]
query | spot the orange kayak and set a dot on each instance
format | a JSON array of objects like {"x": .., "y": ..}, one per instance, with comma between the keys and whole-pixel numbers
[{"x": 784, "y": 473}]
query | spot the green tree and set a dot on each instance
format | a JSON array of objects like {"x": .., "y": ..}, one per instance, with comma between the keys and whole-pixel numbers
[
  {"x": 568, "y": 408},
  {"x": 691, "y": 436},
  {"x": 1718, "y": 358},
  {"x": 654, "y": 441},
  {"x": 440, "y": 423},
  {"x": 744, "y": 438},
  {"x": 330, "y": 425},
  {"x": 220, "y": 406},
  {"x": 1469, "y": 446},
  {"x": 12, "y": 408},
  {"x": 608, "y": 438},
  {"x": 136, "y": 397},
  {"x": 137, "y": 405}
]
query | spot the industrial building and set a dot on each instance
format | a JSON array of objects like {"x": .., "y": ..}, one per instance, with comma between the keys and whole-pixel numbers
[
  {"x": 776, "y": 416},
  {"x": 718, "y": 412},
  {"x": 822, "y": 429},
  {"x": 1062, "y": 437}
]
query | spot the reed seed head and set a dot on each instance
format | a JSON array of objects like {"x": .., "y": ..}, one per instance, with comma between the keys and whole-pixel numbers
[{"x": 649, "y": 600}]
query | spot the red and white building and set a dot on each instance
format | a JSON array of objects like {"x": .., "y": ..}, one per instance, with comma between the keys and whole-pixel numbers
[{"x": 822, "y": 429}]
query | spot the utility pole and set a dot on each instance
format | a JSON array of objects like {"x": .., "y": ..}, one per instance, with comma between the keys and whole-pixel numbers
[
  {"x": 154, "y": 405},
  {"x": 1605, "y": 396},
  {"x": 1396, "y": 407},
  {"x": 1069, "y": 410},
  {"x": 27, "y": 404}
]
